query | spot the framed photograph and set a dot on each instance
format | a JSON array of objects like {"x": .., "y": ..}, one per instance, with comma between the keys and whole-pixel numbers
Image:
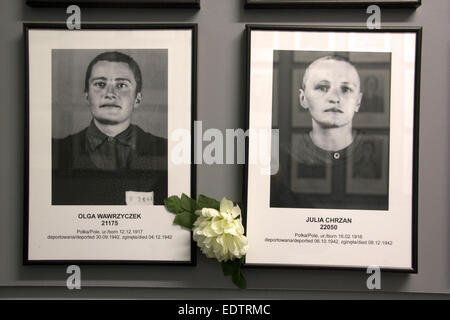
[
  {"x": 275, "y": 4},
  {"x": 117, "y": 3},
  {"x": 331, "y": 173},
  {"x": 103, "y": 106}
]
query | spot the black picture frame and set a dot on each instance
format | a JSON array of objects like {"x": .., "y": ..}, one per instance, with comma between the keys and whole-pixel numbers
[
  {"x": 27, "y": 27},
  {"x": 186, "y": 4},
  {"x": 289, "y": 4},
  {"x": 417, "y": 31}
]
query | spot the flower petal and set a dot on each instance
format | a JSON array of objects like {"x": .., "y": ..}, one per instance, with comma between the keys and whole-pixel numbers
[
  {"x": 226, "y": 205},
  {"x": 235, "y": 211},
  {"x": 210, "y": 212}
]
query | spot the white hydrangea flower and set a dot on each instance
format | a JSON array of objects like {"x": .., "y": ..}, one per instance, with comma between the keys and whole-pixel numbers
[{"x": 220, "y": 234}]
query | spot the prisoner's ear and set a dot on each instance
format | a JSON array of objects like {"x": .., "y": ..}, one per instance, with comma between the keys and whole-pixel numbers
[
  {"x": 138, "y": 100},
  {"x": 86, "y": 97},
  {"x": 358, "y": 105},
  {"x": 302, "y": 98}
]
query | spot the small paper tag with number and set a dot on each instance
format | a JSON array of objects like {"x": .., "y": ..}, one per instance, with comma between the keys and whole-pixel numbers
[{"x": 134, "y": 198}]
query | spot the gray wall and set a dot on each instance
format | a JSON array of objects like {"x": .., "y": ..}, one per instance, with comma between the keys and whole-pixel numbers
[{"x": 221, "y": 104}]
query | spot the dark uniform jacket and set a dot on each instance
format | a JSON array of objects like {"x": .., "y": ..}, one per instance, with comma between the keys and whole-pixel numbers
[
  {"x": 310, "y": 177},
  {"x": 77, "y": 178}
]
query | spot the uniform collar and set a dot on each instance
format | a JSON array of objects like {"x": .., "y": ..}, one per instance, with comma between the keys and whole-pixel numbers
[
  {"x": 304, "y": 150},
  {"x": 94, "y": 137},
  {"x": 333, "y": 155}
]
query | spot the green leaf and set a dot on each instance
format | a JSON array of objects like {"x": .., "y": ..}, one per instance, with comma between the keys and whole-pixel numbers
[
  {"x": 239, "y": 279},
  {"x": 206, "y": 202},
  {"x": 185, "y": 219},
  {"x": 233, "y": 268},
  {"x": 228, "y": 268},
  {"x": 188, "y": 204},
  {"x": 173, "y": 204}
]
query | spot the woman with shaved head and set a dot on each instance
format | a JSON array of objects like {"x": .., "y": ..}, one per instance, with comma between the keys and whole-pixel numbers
[{"x": 319, "y": 159}]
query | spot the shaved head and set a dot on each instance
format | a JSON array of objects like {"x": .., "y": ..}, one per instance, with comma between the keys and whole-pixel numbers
[{"x": 317, "y": 62}]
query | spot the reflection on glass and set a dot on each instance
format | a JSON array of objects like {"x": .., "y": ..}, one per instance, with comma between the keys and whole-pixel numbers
[
  {"x": 372, "y": 101},
  {"x": 367, "y": 164}
]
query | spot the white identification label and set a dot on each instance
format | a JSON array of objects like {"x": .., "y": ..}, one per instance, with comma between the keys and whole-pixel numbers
[{"x": 134, "y": 198}]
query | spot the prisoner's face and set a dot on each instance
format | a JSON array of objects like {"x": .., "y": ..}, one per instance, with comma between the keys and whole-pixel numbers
[
  {"x": 332, "y": 93},
  {"x": 112, "y": 92}
]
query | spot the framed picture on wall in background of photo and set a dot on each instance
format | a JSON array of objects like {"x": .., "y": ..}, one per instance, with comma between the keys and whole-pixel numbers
[
  {"x": 102, "y": 105},
  {"x": 340, "y": 105},
  {"x": 195, "y": 4},
  {"x": 267, "y": 4}
]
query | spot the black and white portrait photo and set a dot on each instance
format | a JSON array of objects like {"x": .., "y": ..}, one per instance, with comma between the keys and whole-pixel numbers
[
  {"x": 326, "y": 148},
  {"x": 109, "y": 124}
]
